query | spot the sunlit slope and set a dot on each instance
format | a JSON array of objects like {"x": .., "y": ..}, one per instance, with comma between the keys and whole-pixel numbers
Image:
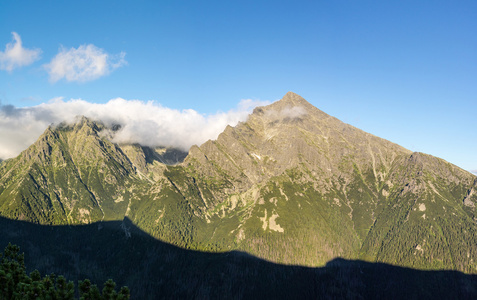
[
  {"x": 428, "y": 217},
  {"x": 70, "y": 175}
]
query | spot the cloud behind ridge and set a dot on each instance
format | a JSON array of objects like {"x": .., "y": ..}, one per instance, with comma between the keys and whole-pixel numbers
[{"x": 146, "y": 123}]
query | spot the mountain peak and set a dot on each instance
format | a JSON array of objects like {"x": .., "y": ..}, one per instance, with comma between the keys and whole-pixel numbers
[
  {"x": 81, "y": 123},
  {"x": 292, "y": 99},
  {"x": 290, "y": 96},
  {"x": 291, "y": 106}
]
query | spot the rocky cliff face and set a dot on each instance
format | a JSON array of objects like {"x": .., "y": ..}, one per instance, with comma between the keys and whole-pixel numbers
[{"x": 291, "y": 184}]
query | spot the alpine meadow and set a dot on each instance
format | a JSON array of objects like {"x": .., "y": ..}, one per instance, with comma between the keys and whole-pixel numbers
[{"x": 290, "y": 203}]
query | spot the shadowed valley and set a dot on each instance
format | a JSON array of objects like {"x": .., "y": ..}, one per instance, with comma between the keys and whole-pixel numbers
[{"x": 157, "y": 270}]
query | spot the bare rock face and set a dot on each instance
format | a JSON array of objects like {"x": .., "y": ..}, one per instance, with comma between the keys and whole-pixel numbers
[
  {"x": 471, "y": 198},
  {"x": 292, "y": 133}
]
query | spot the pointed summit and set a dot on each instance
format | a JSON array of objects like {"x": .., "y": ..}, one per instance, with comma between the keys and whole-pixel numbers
[
  {"x": 291, "y": 99},
  {"x": 291, "y": 105},
  {"x": 80, "y": 123}
]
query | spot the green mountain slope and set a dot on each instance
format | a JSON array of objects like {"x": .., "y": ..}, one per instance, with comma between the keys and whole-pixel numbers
[
  {"x": 291, "y": 185},
  {"x": 70, "y": 175},
  {"x": 428, "y": 218}
]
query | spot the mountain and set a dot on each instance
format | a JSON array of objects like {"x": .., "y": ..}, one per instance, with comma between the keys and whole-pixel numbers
[
  {"x": 291, "y": 185},
  {"x": 70, "y": 175},
  {"x": 297, "y": 186}
]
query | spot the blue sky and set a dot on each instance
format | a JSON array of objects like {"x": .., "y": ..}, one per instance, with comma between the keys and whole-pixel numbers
[{"x": 403, "y": 70}]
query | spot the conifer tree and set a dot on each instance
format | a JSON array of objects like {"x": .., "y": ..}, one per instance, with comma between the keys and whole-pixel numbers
[{"x": 16, "y": 284}]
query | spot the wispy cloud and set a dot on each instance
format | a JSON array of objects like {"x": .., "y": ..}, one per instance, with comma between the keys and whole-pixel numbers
[
  {"x": 85, "y": 63},
  {"x": 474, "y": 171},
  {"x": 288, "y": 112},
  {"x": 16, "y": 56},
  {"x": 146, "y": 123}
]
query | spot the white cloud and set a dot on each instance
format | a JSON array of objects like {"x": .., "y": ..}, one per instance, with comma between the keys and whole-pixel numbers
[
  {"x": 287, "y": 112},
  {"x": 293, "y": 112},
  {"x": 146, "y": 123},
  {"x": 16, "y": 56},
  {"x": 85, "y": 63}
]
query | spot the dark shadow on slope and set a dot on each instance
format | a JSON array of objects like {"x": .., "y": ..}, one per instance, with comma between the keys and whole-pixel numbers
[
  {"x": 167, "y": 156},
  {"x": 154, "y": 270}
]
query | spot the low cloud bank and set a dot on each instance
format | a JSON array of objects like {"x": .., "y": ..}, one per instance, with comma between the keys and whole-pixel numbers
[{"x": 146, "y": 123}]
